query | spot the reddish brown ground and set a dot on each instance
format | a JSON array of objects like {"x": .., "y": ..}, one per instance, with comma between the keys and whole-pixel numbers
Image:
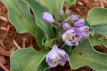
[{"x": 10, "y": 40}]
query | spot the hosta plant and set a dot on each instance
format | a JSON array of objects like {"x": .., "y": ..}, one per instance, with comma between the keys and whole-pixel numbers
[{"x": 62, "y": 35}]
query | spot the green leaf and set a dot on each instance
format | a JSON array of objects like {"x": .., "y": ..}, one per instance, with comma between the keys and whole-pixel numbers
[
  {"x": 54, "y": 5},
  {"x": 71, "y": 2},
  {"x": 97, "y": 40},
  {"x": 100, "y": 29},
  {"x": 84, "y": 54},
  {"x": 26, "y": 59},
  {"x": 39, "y": 37},
  {"x": 49, "y": 43},
  {"x": 20, "y": 16},
  {"x": 97, "y": 16},
  {"x": 43, "y": 66},
  {"x": 66, "y": 48},
  {"x": 38, "y": 10}
]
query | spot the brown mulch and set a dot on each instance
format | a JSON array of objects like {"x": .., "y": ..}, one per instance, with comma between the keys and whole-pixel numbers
[
  {"x": 10, "y": 40},
  {"x": 83, "y": 6}
]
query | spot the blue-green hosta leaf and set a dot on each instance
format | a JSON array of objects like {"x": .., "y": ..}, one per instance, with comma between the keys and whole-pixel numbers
[
  {"x": 97, "y": 16},
  {"x": 84, "y": 54},
  {"x": 20, "y": 16},
  {"x": 71, "y": 2},
  {"x": 43, "y": 66},
  {"x": 26, "y": 59},
  {"x": 54, "y": 5},
  {"x": 38, "y": 10},
  {"x": 39, "y": 37},
  {"x": 100, "y": 29},
  {"x": 98, "y": 40},
  {"x": 49, "y": 43},
  {"x": 66, "y": 48}
]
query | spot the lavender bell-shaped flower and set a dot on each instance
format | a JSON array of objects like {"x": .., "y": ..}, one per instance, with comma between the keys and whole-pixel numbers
[
  {"x": 66, "y": 26},
  {"x": 56, "y": 57},
  {"x": 71, "y": 37},
  {"x": 48, "y": 17},
  {"x": 84, "y": 30},
  {"x": 79, "y": 23}
]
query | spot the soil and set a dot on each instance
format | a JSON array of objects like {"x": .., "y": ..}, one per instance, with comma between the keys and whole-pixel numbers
[{"x": 10, "y": 40}]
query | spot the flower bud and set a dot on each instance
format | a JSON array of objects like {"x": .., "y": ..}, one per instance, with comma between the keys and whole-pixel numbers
[
  {"x": 61, "y": 12},
  {"x": 68, "y": 12},
  {"x": 84, "y": 30},
  {"x": 79, "y": 23},
  {"x": 66, "y": 26},
  {"x": 56, "y": 57},
  {"x": 48, "y": 17},
  {"x": 75, "y": 17}
]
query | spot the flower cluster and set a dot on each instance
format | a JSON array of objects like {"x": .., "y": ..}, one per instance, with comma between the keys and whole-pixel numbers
[
  {"x": 73, "y": 26},
  {"x": 74, "y": 30}
]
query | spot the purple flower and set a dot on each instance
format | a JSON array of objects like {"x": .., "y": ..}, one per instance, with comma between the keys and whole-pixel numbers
[
  {"x": 79, "y": 23},
  {"x": 75, "y": 17},
  {"x": 71, "y": 37},
  {"x": 84, "y": 30},
  {"x": 48, "y": 17},
  {"x": 56, "y": 57},
  {"x": 66, "y": 26},
  {"x": 61, "y": 12}
]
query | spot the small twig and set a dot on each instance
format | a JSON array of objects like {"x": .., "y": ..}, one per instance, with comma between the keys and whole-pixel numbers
[
  {"x": 5, "y": 53},
  {"x": 102, "y": 4},
  {"x": 3, "y": 18},
  {"x": 2, "y": 44},
  {"x": 80, "y": 3},
  {"x": 5, "y": 28},
  {"x": 3, "y": 67},
  {"x": 13, "y": 49},
  {"x": 24, "y": 43},
  {"x": 15, "y": 43}
]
